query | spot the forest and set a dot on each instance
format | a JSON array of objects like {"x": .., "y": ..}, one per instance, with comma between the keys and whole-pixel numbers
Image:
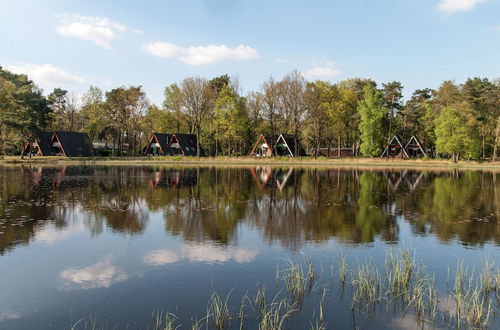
[{"x": 456, "y": 121}]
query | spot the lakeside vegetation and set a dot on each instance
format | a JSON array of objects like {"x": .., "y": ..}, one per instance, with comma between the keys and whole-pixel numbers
[
  {"x": 456, "y": 121},
  {"x": 401, "y": 288}
]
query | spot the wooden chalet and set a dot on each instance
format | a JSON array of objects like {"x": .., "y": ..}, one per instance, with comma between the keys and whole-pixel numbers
[
  {"x": 414, "y": 149},
  {"x": 335, "y": 152},
  {"x": 395, "y": 149},
  {"x": 159, "y": 145},
  {"x": 264, "y": 147},
  {"x": 40, "y": 145},
  {"x": 183, "y": 144},
  {"x": 285, "y": 146},
  {"x": 71, "y": 144}
]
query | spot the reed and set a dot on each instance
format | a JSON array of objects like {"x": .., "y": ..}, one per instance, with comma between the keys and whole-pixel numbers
[
  {"x": 218, "y": 310},
  {"x": 299, "y": 278},
  {"x": 163, "y": 321},
  {"x": 367, "y": 285}
]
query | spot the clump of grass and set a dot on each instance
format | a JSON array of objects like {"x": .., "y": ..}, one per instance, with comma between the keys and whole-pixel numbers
[
  {"x": 218, "y": 310},
  {"x": 471, "y": 295},
  {"x": 299, "y": 282},
  {"x": 163, "y": 321},
  {"x": 274, "y": 315},
  {"x": 343, "y": 270},
  {"x": 367, "y": 285},
  {"x": 399, "y": 269}
]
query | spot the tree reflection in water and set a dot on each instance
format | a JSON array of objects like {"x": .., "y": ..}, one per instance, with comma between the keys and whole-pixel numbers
[{"x": 291, "y": 206}]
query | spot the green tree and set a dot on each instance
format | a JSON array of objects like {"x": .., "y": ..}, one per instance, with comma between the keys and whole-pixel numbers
[
  {"x": 457, "y": 132},
  {"x": 372, "y": 113},
  {"x": 24, "y": 111}
]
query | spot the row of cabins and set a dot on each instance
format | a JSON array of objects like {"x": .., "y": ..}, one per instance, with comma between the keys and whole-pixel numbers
[{"x": 75, "y": 144}]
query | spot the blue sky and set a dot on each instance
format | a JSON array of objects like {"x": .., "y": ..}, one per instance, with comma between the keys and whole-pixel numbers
[{"x": 72, "y": 44}]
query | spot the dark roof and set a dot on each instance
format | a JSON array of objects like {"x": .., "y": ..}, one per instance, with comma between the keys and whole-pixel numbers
[
  {"x": 43, "y": 141},
  {"x": 187, "y": 142},
  {"x": 74, "y": 144},
  {"x": 164, "y": 141}
]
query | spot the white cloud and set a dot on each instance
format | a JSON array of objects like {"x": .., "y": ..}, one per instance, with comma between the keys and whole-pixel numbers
[
  {"x": 201, "y": 55},
  {"x": 200, "y": 253},
  {"x": 100, "y": 30},
  {"x": 452, "y": 6},
  {"x": 100, "y": 275},
  {"x": 211, "y": 254},
  {"x": 47, "y": 75},
  {"x": 9, "y": 314},
  {"x": 321, "y": 72},
  {"x": 161, "y": 257},
  {"x": 497, "y": 28},
  {"x": 163, "y": 49}
]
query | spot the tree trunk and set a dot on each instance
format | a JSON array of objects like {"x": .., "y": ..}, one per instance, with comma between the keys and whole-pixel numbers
[
  {"x": 338, "y": 145},
  {"x": 198, "y": 141},
  {"x": 497, "y": 133}
]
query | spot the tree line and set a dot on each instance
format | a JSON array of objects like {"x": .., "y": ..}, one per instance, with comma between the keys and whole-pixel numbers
[{"x": 459, "y": 121}]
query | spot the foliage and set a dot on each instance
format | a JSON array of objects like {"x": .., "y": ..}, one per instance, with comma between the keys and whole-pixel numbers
[{"x": 372, "y": 112}]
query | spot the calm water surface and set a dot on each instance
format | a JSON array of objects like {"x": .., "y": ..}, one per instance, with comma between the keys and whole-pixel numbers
[{"x": 117, "y": 243}]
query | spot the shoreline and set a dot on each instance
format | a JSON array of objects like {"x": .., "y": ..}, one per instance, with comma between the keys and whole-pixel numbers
[{"x": 250, "y": 161}]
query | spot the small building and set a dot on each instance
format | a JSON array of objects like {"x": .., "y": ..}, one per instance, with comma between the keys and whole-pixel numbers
[
  {"x": 158, "y": 145},
  {"x": 285, "y": 146},
  {"x": 183, "y": 144},
  {"x": 335, "y": 152},
  {"x": 395, "y": 149},
  {"x": 414, "y": 149},
  {"x": 71, "y": 144},
  {"x": 264, "y": 147},
  {"x": 40, "y": 145}
]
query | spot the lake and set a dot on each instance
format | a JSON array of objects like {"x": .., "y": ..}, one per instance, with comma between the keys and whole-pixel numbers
[{"x": 125, "y": 246}]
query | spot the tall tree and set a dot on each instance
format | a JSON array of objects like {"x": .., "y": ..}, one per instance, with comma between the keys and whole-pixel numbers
[
  {"x": 372, "y": 112},
  {"x": 393, "y": 102},
  {"x": 24, "y": 111},
  {"x": 126, "y": 107},
  {"x": 457, "y": 132},
  {"x": 294, "y": 109},
  {"x": 197, "y": 99}
]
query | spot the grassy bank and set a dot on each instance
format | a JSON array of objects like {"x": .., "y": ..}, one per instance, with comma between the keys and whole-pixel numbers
[{"x": 278, "y": 161}]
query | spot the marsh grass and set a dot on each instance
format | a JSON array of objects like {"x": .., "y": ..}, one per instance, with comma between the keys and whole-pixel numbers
[
  {"x": 401, "y": 284},
  {"x": 218, "y": 310},
  {"x": 299, "y": 278}
]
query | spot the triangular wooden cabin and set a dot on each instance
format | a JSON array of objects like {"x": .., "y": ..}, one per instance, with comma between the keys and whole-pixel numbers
[
  {"x": 158, "y": 145},
  {"x": 40, "y": 146},
  {"x": 183, "y": 144},
  {"x": 71, "y": 144},
  {"x": 395, "y": 149},
  {"x": 414, "y": 149},
  {"x": 264, "y": 147},
  {"x": 285, "y": 146}
]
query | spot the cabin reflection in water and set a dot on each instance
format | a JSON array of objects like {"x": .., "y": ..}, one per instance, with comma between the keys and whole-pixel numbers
[{"x": 289, "y": 206}]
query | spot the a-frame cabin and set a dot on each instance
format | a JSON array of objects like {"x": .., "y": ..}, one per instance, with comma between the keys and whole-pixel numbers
[
  {"x": 183, "y": 144},
  {"x": 40, "y": 145},
  {"x": 285, "y": 146},
  {"x": 71, "y": 144},
  {"x": 264, "y": 147},
  {"x": 414, "y": 149},
  {"x": 158, "y": 145},
  {"x": 395, "y": 149}
]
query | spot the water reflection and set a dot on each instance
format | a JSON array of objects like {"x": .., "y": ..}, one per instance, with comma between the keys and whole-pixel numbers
[{"x": 207, "y": 206}]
